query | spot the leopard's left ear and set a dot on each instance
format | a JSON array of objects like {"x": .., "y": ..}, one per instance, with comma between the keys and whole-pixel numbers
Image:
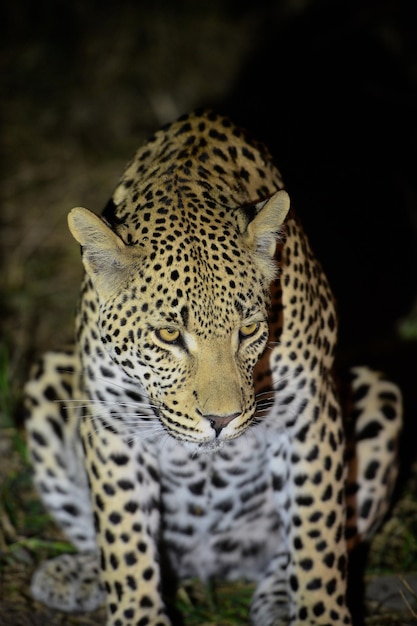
[
  {"x": 262, "y": 232},
  {"x": 107, "y": 260}
]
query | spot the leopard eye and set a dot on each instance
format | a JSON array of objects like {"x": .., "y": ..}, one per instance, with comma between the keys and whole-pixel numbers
[
  {"x": 168, "y": 335},
  {"x": 249, "y": 330}
]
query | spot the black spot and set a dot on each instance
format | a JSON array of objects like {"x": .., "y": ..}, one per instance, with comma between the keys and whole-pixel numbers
[
  {"x": 119, "y": 590},
  {"x": 331, "y": 321},
  {"x": 131, "y": 506},
  {"x": 225, "y": 506},
  {"x": 131, "y": 583},
  {"x": 184, "y": 315},
  {"x": 294, "y": 582},
  {"x": 217, "y": 481},
  {"x": 370, "y": 431},
  {"x": 318, "y": 609},
  {"x": 342, "y": 564},
  {"x": 328, "y": 492},
  {"x": 339, "y": 471},
  {"x": 106, "y": 372},
  {"x": 360, "y": 393},
  {"x": 304, "y": 500},
  {"x": 114, "y": 561},
  {"x": 298, "y": 544},
  {"x": 372, "y": 470},
  {"x": 71, "y": 509},
  {"x": 133, "y": 395},
  {"x": 50, "y": 394},
  {"x": 277, "y": 482},
  {"x": 108, "y": 489},
  {"x": 146, "y": 602},
  {"x": 119, "y": 459},
  {"x": 331, "y": 586},
  {"x": 365, "y": 508},
  {"x": 302, "y": 434},
  {"x": 329, "y": 560},
  {"x": 226, "y": 545},
  {"x": 56, "y": 427},
  {"x": 115, "y": 518},
  {"x": 129, "y": 613},
  {"x": 314, "y": 584},
  {"x": 142, "y": 547},
  {"x": 300, "y": 479},
  {"x": 40, "y": 439},
  {"x": 94, "y": 470},
  {"x": 281, "y": 385},
  {"x": 126, "y": 485},
  {"x": 333, "y": 412},
  {"x": 248, "y": 154},
  {"x": 388, "y": 396},
  {"x": 330, "y": 520},
  {"x": 99, "y": 502},
  {"x": 185, "y": 128},
  {"x": 153, "y": 473},
  {"x": 215, "y": 134},
  {"x": 313, "y": 454},
  {"x": 303, "y": 614},
  {"x": 130, "y": 558},
  {"x": 389, "y": 412},
  {"x": 148, "y": 573},
  {"x": 317, "y": 478}
]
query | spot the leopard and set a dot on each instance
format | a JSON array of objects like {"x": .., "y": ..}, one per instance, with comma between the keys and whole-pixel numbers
[{"x": 195, "y": 427}]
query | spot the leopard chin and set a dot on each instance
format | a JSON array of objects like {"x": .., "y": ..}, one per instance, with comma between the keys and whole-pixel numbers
[{"x": 207, "y": 447}]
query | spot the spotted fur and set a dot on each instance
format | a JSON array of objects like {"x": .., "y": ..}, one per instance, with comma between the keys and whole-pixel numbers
[{"x": 196, "y": 422}]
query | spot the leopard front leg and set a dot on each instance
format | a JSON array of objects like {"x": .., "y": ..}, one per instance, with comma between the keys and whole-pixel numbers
[
  {"x": 306, "y": 579},
  {"x": 68, "y": 582},
  {"x": 54, "y": 446},
  {"x": 125, "y": 495},
  {"x": 269, "y": 605}
]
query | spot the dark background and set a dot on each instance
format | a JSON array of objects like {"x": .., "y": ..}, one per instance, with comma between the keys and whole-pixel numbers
[{"x": 329, "y": 85}]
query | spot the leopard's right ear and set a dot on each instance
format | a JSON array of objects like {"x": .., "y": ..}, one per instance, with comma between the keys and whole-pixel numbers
[
  {"x": 263, "y": 231},
  {"x": 107, "y": 260}
]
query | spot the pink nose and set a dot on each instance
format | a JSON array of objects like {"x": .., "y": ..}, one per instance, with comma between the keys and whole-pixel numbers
[{"x": 218, "y": 422}]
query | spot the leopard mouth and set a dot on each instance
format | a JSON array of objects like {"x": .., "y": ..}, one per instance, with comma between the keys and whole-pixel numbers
[{"x": 205, "y": 431}]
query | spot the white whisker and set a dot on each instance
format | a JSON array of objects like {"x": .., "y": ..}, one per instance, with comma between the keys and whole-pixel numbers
[{"x": 130, "y": 383}]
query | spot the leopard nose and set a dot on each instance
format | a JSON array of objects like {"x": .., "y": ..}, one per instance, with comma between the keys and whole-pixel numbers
[{"x": 218, "y": 422}]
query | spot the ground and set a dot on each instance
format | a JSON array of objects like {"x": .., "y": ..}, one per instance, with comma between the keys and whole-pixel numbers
[{"x": 331, "y": 87}]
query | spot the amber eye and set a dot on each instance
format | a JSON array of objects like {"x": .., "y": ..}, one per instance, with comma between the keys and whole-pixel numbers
[
  {"x": 168, "y": 335},
  {"x": 249, "y": 330}
]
